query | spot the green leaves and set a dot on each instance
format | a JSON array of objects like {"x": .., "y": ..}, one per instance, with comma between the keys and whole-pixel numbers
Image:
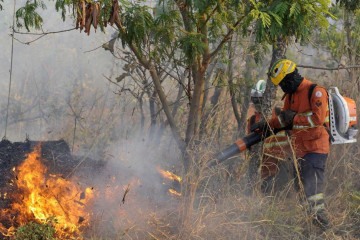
[
  {"x": 138, "y": 23},
  {"x": 290, "y": 18},
  {"x": 192, "y": 45},
  {"x": 167, "y": 23},
  {"x": 295, "y": 9},
  {"x": 60, "y": 5},
  {"x": 349, "y": 5},
  {"x": 342, "y": 37},
  {"x": 33, "y": 230},
  {"x": 30, "y": 18}
]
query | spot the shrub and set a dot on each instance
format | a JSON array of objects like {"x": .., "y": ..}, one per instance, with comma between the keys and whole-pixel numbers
[{"x": 35, "y": 231}]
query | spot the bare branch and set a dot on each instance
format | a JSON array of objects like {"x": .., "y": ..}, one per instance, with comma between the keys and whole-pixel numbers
[
  {"x": 340, "y": 67},
  {"x": 227, "y": 37},
  {"x": 41, "y": 35},
  {"x": 44, "y": 33}
]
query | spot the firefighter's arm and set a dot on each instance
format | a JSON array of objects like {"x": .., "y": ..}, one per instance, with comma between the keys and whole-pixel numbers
[
  {"x": 275, "y": 121},
  {"x": 250, "y": 122},
  {"x": 319, "y": 108}
]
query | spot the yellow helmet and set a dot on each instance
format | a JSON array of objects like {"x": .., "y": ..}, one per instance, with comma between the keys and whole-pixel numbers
[{"x": 280, "y": 69}]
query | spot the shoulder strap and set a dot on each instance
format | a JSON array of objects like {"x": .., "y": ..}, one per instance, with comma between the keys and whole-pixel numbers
[{"x": 311, "y": 90}]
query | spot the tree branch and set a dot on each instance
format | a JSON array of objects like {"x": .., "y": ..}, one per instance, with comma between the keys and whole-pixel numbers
[
  {"x": 340, "y": 67},
  {"x": 226, "y": 37},
  {"x": 212, "y": 12},
  {"x": 44, "y": 33},
  {"x": 41, "y": 35}
]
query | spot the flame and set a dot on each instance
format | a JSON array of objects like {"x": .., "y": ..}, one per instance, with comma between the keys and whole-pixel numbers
[
  {"x": 169, "y": 175},
  {"x": 47, "y": 197},
  {"x": 174, "y": 192}
]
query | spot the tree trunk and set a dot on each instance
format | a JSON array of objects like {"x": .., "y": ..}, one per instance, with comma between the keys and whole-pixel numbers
[
  {"x": 279, "y": 50},
  {"x": 347, "y": 27},
  {"x": 152, "y": 107},
  {"x": 200, "y": 65},
  {"x": 166, "y": 108},
  {"x": 180, "y": 93},
  {"x": 230, "y": 73},
  {"x": 206, "y": 115},
  {"x": 249, "y": 81}
]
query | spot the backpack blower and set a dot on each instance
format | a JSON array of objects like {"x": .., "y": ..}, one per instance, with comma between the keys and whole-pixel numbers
[{"x": 343, "y": 128}]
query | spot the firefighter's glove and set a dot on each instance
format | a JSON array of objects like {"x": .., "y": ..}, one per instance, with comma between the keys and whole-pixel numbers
[
  {"x": 277, "y": 111},
  {"x": 287, "y": 117},
  {"x": 261, "y": 126}
]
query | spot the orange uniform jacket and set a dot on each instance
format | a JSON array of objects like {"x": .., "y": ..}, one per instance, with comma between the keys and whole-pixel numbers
[{"x": 308, "y": 134}]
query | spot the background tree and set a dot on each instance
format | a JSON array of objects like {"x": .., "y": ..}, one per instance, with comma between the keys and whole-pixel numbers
[{"x": 178, "y": 31}]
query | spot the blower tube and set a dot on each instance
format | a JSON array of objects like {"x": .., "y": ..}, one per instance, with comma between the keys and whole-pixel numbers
[{"x": 239, "y": 146}]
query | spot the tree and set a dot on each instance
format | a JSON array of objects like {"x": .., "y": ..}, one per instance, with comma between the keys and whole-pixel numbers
[
  {"x": 189, "y": 34},
  {"x": 341, "y": 39},
  {"x": 174, "y": 32}
]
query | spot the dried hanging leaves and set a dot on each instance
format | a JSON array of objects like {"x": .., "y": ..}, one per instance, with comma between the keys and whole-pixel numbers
[
  {"x": 114, "y": 15},
  {"x": 89, "y": 14}
]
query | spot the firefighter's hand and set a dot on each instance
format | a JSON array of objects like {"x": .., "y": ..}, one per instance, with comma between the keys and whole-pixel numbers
[
  {"x": 287, "y": 117},
  {"x": 259, "y": 127}
]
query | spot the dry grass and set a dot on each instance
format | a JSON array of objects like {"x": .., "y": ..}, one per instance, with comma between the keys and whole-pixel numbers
[{"x": 216, "y": 208}]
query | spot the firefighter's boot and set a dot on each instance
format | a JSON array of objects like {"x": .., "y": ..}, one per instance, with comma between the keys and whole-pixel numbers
[
  {"x": 321, "y": 220},
  {"x": 318, "y": 212}
]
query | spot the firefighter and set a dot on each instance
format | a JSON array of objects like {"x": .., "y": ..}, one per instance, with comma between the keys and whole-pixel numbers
[
  {"x": 305, "y": 117},
  {"x": 275, "y": 147}
]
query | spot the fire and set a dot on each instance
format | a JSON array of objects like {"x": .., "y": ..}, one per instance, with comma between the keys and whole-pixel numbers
[
  {"x": 169, "y": 175},
  {"x": 174, "y": 192},
  {"x": 176, "y": 180},
  {"x": 47, "y": 197}
]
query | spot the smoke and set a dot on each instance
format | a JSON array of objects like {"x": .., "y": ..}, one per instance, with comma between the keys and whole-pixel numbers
[
  {"x": 47, "y": 74},
  {"x": 59, "y": 90},
  {"x": 129, "y": 190}
]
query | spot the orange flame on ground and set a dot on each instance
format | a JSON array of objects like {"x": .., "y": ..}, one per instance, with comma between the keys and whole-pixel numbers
[
  {"x": 50, "y": 196},
  {"x": 169, "y": 175}
]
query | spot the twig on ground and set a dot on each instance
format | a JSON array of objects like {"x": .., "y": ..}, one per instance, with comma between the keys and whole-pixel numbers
[{"x": 126, "y": 192}]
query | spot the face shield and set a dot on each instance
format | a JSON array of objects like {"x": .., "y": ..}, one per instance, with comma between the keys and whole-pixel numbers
[{"x": 256, "y": 96}]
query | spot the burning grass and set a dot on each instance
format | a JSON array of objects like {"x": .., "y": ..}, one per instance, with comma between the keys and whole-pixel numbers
[
  {"x": 125, "y": 205},
  {"x": 45, "y": 198}
]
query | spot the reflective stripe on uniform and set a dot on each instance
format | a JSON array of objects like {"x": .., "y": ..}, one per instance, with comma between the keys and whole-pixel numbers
[
  {"x": 301, "y": 127},
  {"x": 277, "y": 144},
  {"x": 305, "y": 127},
  {"x": 318, "y": 207},
  {"x": 327, "y": 119},
  {"x": 281, "y": 123},
  {"x": 280, "y": 134},
  {"x": 310, "y": 121},
  {"x": 316, "y": 197},
  {"x": 308, "y": 115},
  {"x": 305, "y": 114}
]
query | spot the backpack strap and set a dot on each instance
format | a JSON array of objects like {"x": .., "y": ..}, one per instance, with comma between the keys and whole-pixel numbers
[{"x": 311, "y": 90}]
